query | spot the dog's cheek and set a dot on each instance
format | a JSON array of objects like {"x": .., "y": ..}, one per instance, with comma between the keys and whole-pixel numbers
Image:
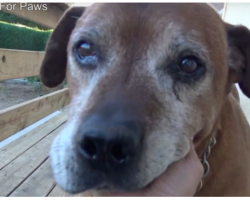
[
  {"x": 161, "y": 148},
  {"x": 62, "y": 158},
  {"x": 80, "y": 88}
]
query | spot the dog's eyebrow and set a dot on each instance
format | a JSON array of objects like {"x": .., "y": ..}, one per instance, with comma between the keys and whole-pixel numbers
[
  {"x": 88, "y": 33},
  {"x": 187, "y": 42},
  {"x": 91, "y": 33},
  {"x": 88, "y": 30}
]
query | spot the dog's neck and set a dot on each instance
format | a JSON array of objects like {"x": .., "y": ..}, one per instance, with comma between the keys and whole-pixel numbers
[
  {"x": 232, "y": 146},
  {"x": 204, "y": 144},
  {"x": 204, "y": 160},
  {"x": 205, "y": 147}
]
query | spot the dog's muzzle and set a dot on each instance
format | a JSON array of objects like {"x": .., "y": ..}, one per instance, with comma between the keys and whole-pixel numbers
[
  {"x": 104, "y": 150},
  {"x": 107, "y": 144}
]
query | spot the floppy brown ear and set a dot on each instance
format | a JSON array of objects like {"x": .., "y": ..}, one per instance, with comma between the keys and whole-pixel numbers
[
  {"x": 53, "y": 69},
  {"x": 239, "y": 56}
]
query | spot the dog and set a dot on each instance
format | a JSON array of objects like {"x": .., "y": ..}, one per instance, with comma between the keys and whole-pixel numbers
[{"x": 144, "y": 80}]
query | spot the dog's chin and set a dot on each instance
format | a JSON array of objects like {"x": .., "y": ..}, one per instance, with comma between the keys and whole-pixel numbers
[
  {"x": 84, "y": 185},
  {"x": 97, "y": 188},
  {"x": 104, "y": 188},
  {"x": 74, "y": 184}
]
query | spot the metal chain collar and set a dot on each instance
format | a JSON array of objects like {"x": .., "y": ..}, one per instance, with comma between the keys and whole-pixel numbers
[{"x": 204, "y": 161}]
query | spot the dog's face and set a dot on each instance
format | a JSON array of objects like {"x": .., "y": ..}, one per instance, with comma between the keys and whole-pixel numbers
[{"x": 144, "y": 80}]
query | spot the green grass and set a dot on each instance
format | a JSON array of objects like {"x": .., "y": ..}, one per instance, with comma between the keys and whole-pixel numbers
[
  {"x": 15, "y": 35},
  {"x": 20, "y": 37},
  {"x": 9, "y": 18}
]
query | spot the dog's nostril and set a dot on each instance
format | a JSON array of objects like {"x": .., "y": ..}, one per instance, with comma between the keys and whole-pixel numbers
[
  {"x": 118, "y": 154},
  {"x": 89, "y": 149}
]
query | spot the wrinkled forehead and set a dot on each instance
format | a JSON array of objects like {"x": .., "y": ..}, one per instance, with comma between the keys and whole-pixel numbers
[
  {"x": 166, "y": 25},
  {"x": 187, "y": 17}
]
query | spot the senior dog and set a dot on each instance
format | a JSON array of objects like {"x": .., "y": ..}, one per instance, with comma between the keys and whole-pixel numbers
[{"x": 144, "y": 81}]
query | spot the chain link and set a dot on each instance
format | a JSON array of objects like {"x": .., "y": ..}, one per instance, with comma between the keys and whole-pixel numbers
[{"x": 204, "y": 161}]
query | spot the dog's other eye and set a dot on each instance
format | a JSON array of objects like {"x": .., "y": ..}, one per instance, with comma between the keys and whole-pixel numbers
[
  {"x": 86, "y": 54},
  {"x": 189, "y": 64},
  {"x": 85, "y": 49},
  {"x": 187, "y": 68}
]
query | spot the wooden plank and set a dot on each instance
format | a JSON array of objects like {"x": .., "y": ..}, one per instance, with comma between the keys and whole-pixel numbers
[
  {"x": 25, "y": 142},
  {"x": 39, "y": 184},
  {"x": 19, "y": 64},
  {"x": 15, "y": 173},
  {"x": 47, "y": 14},
  {"x": 18, "y": 117}
]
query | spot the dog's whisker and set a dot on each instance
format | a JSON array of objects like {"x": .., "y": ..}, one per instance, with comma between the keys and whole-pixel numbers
[{"x": 75, "y": 17}]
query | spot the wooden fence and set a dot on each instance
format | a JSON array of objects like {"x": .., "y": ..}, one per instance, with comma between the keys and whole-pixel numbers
[{"x": 22, "y": 64}]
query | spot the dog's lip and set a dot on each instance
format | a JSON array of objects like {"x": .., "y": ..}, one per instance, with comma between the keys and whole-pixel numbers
[
  {"x": 100, "y": 188},
  {"x": 79, "y": 189}
]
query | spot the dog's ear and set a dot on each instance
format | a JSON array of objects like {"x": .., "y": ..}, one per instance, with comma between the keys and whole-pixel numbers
[
  {"x": 239, "y": 56},
  {"x": 53, "y": 69}
]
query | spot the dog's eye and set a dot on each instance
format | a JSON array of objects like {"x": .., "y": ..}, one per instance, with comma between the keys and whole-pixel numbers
[
  {"x": 85, "y": 49},
  {"x": 85, "y": 54},
  {"x": 186, "y": 68},
  {"x": 189, "y": 64}
]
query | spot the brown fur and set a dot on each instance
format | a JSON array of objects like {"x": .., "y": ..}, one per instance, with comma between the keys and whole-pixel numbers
[{"x": 137, "y": 41}]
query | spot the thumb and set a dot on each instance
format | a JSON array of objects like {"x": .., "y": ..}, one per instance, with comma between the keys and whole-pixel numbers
[{"x": 180, "y": 179}]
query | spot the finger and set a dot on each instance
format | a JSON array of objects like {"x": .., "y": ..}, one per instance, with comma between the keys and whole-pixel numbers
[{"x": 181, "y": 178}]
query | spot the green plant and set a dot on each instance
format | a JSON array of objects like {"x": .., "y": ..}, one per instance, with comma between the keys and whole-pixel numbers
[
  {"x": 23, "y": 38},
  {"x": 13, "y": 19},
  {"x": 33, "y": 79}
]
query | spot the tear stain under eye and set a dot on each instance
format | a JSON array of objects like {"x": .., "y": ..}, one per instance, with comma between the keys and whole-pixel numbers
[{"x": 175, "y": 92}]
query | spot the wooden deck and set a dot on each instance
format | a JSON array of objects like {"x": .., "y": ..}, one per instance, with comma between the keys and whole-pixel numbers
[
  {"x": 25, "y": 168},
  {"x": 24, "y": 163}
]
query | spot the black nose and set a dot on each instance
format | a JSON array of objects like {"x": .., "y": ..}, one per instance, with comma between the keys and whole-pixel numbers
[{"x": 108, "y": 144}]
